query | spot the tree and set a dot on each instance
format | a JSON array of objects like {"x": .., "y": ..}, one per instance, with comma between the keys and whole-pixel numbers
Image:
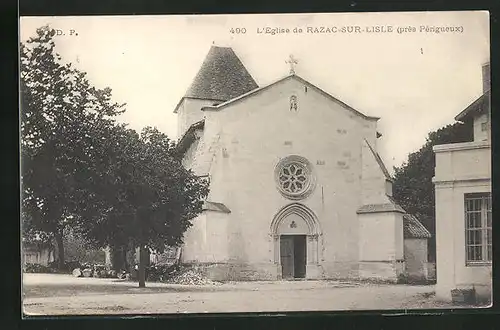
[
  {"x": 63, "y": 118},
  {"x": 32, "y": 238},
  {"x": 148, "y": 195},
  {"x": 413, "y": 188},
  {"x": 81, "y": 169}
]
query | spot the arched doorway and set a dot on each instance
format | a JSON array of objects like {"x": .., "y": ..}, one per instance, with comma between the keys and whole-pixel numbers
[{"x": 295, "y": 233}]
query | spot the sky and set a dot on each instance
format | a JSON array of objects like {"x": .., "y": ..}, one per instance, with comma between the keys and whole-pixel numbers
[{"x": 415, "y": 81}]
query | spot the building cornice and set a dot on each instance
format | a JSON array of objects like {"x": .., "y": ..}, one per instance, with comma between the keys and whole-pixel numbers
[
  {"x": 469, "y": 178},
  {"x": 194, "y": 98},
  {"x": 461, "y": 146}
]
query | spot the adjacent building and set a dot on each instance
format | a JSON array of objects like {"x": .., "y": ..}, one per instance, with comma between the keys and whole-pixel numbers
[
  {"x": 463, "y": 205},
  {"x": 33, "y": 253}
]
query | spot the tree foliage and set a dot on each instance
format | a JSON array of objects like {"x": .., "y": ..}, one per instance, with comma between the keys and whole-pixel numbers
[
  {"x": 62, "y": 116},
  {"x": 149, "y": 197},
  {"x": 81, "y": 170},
  {"x": 413, "y": 188},
  {"x": 78, "y": 248}
]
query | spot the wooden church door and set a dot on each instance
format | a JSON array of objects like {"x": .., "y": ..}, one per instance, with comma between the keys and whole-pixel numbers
[
  {"x": 287, "y": 256},
  {"x": 299, "y": 255}
]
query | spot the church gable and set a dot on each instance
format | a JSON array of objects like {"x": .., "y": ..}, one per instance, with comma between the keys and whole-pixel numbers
[
  {"x": 307, "y": 87},
  {"x": 289, "y": 118},
  {"x": 292, "y": 108}
]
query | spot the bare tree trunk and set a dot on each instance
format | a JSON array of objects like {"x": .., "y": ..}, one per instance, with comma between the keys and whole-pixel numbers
[
  {"x": 58, "y": 235},
  {"x": 142, "y": 258},
  {"x": 130, "y": 257},
  {"x": 50, "y": 256}
]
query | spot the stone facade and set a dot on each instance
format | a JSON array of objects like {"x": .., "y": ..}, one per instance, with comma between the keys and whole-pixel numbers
[{"x": 340, "y": 212}]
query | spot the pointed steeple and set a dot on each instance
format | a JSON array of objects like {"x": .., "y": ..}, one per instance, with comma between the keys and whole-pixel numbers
[{"x": 222, "y": 77}]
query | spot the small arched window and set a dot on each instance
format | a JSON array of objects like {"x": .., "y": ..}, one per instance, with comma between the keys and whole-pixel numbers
[{"x": 293, "y": 103}]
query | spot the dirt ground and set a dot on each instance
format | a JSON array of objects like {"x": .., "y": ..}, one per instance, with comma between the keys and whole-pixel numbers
[{"x": 54, "y": 294}]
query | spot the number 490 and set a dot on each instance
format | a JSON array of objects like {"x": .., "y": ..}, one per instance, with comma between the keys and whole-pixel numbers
[{"x": 238, "y": 30}]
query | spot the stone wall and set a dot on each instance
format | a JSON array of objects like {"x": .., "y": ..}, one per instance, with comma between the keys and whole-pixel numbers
[{"x": 415, "y": 252}]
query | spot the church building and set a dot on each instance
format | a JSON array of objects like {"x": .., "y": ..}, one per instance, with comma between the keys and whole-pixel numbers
[{"x": 297, "y": 188}]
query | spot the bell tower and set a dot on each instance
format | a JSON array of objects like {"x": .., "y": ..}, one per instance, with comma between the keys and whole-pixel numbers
[{"x": 222, "y": 77}]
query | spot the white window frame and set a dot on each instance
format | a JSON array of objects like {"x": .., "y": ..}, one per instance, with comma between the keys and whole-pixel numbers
[{"x": 480, "y": 211}]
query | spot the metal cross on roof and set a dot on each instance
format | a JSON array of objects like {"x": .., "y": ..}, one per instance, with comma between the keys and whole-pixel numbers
[{"x": 292, "y": 61}]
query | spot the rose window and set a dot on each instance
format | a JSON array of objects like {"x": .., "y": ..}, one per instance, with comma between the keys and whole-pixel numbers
[{"x": 294, "y": 177}]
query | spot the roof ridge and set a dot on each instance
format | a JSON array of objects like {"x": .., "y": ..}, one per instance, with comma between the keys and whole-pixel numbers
[
  {"x": 380, "y": 162},
  {"x": 220, "y": 105},
  {"x": 474, "y": 106},
  {"x": 289, "y": 76}
]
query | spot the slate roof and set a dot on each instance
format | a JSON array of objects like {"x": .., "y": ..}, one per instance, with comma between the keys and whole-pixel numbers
[
  {"x": 222, "y": 77},
  {"x": 412, "y": 228},
  {"x": 189, "y": 136},
  {"x": 376, "y": 208},
  {"x": 213, "y": 206},
  {"x": 479, "y": 105}
]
